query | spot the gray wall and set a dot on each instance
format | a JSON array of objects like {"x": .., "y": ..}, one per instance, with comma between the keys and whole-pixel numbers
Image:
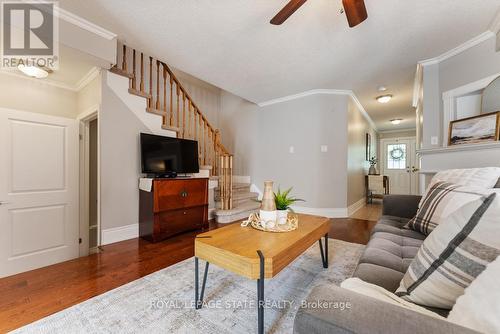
[
  {"x": 357, "y": 166},
  {"x": 469, "y": 66},
  {"x": 120, "y": 166},
  {"x": 260, "y": 139}
]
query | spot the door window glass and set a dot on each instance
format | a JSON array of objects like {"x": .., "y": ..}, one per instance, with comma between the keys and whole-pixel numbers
[{"x": 396, "y": 156}]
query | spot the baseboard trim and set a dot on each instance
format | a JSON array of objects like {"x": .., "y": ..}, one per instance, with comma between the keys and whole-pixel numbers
[
  {"x": 356, "y": 206},
  {"x": 211, "y": 213},
  {"x": 116, "y": 234},
  {"x": 325, "y": 212}
]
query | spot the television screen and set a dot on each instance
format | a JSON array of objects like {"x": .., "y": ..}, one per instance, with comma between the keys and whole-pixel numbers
[{"x": 163, "y": 155}]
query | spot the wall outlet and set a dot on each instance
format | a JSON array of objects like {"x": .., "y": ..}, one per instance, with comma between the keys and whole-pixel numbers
[
  {"x": 291, "y": 149},
  {"x": 324, "y": 148},
  {"x": 434, "y": 140}
]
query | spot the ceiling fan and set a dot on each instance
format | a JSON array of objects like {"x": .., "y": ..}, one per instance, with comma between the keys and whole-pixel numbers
[{"x": 355, "y": 11}]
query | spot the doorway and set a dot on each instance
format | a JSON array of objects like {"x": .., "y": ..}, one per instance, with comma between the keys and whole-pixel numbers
[
  {"x": 93, "y": 198},
  {"x": 90, "y": 236},
  {"x": 399, "y": 163}
]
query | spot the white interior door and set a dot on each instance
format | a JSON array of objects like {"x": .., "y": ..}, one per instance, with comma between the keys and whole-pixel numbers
[
  {"x": 398, "y": 163},
  {"x": 38, "y": 191}
]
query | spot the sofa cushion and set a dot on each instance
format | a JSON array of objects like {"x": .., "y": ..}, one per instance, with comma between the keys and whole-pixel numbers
[
  {"x": 391, "y": 251},
  {"x": 454, "y": 254},
  {"x": 387, "y": 278},
  {"x": 395, "y": 225}
]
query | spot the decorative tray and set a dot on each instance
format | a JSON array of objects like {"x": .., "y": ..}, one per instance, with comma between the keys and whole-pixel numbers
[{"x": 254, "y": 220}]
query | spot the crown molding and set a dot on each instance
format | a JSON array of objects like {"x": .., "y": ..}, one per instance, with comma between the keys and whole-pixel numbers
[
  {"x": 312, "y": 92},
  {"x": 459, "y": 49},
  {"x": 304, "y": 94},
  {"x": 79, "y": 21},
  {"x": 397, "y": 130},
  {"x": 87, "y": 78},
  {"x": 85, "y": 24},
  {"x": 84, "y": 81},
  {"x": 40, "y": 81}
]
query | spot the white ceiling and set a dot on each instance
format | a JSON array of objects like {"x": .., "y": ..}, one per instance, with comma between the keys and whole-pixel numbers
[{"x": 230, "y": 43}]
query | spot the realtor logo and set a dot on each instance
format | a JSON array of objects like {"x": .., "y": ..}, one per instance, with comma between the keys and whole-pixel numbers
[{"x": 30, "y": 34}]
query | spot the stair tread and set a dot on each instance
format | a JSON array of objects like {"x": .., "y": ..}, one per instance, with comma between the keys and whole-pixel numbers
[
  {"x": 245, "y": 195},
  {"x": 239, "y": 186},
  {"x": 121, "y": 72},
  {"x": 239, "y": 209},
  {"x": 171, "y": 128},
  {"x": 139, "y": 93}
]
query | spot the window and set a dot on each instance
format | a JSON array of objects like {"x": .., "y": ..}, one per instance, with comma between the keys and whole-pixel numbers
[{"x": 396, "y": 156}]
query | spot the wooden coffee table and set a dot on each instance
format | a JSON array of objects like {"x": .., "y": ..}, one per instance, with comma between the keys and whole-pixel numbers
[{"x": 257, "y": 255}]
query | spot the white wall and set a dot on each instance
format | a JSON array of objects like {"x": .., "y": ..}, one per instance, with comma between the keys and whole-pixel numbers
[{"x": 17, "y": 92}]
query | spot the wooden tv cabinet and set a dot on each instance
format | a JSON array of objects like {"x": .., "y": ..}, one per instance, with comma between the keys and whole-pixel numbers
[{"x": 173, "y": 206}]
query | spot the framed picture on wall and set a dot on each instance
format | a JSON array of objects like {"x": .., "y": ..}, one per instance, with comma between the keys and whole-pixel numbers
[
  {"x": 473, "y": 130},
  {"x": 368, "y": 146}
]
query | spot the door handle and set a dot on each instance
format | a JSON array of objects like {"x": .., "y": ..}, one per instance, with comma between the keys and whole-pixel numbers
[{"x": 414, "y": 169}]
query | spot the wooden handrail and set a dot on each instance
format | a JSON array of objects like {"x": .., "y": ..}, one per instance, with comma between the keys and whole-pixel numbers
[{"x": 177, "y": 111}]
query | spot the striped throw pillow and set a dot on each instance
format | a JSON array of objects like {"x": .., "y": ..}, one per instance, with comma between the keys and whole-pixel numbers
[
  {"x": 440, "y": 201},
  {"x": 484, "y": 177},
  {"x": 453, "y": 255}
]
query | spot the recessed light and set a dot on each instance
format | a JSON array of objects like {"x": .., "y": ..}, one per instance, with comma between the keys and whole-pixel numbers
[
  {"x": 384, "y": 98},
  {"x": 33, "y": 71},
  {"x": 396, "y": 121}
]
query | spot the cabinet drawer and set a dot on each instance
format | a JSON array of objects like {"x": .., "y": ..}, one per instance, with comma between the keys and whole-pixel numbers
[
  {"x": 178, "y": 194},
  {"x": 174, "y": 222}
]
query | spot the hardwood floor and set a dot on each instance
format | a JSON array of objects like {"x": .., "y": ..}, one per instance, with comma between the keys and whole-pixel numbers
[{"x": 33, "y": 295}]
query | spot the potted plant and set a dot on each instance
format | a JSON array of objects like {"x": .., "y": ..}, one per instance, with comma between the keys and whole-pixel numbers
[
  {"x": 283, "y": 202},
  {"x": 373, "y": 169}
]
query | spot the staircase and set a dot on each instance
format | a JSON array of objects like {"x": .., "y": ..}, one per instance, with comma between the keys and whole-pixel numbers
[
  {"x": 165, "y": 97},
  {"x": 244, "y": 203}
]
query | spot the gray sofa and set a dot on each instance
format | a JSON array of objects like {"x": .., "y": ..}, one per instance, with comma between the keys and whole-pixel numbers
[{"x": 384, "y": 263}]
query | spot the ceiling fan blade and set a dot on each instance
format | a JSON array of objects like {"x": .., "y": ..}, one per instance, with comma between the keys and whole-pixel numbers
[
  {"x": 355, "y": 11},
  {"x": 287, "y": 11}
]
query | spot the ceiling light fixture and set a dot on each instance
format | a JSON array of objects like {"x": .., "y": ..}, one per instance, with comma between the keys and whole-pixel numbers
[
  {"x": 384, "y": 98},
  {"x": 396, "y": 121},
  {"x": 33, "y": 71}
]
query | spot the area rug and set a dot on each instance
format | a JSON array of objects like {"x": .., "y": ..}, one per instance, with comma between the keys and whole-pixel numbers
[{"x": 163, "y": 301}]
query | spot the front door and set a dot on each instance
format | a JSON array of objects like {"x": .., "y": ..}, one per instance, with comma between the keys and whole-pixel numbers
[
  {"x": 38, "y": 191},
  {"x": 399, "y": 164}
]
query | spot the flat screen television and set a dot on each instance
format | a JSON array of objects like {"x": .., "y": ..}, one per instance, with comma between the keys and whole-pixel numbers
[{"x": 166, "y": 156}]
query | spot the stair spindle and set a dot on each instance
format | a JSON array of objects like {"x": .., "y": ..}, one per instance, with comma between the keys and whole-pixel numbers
[
  {"x": 158, "y": 86},
  {"x": 150, "y": 101},
  {"x": 183, "y": 115},
  {"x": 124, "y": 63},
  {"x": 200, "y": 141},
  {"x": 134, "y": 78},
  {"x": 141, "y": 84},
  {"x": 178, "y": 91},
  {"x": 171, "y": 101},
  {"x": 165, "y": 95}
]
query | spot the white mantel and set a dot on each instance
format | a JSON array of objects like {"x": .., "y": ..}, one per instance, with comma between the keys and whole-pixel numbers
[{"x": 433, "y": 160}]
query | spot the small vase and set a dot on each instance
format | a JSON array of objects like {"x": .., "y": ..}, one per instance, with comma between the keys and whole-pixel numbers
[
  {"x": 372, "y": 171},
  {"x": 268, "y": 206},
  {"x": 282, "y": 216}
]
